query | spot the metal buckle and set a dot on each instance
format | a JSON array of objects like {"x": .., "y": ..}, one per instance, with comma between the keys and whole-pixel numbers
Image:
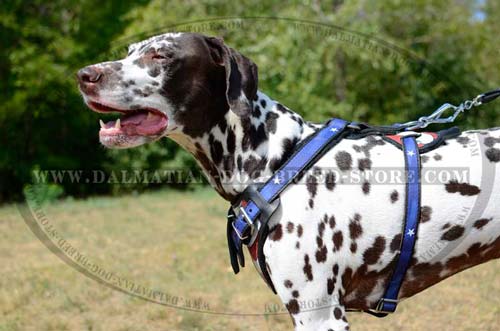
[
  {"x": 237, "y": 232},
  {"x": 248, "y": 220},
  {"x": 381, "y": 304}
]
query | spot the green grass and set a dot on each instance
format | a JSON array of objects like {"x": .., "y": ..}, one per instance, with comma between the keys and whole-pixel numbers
[{"x": 175, "y": 242}]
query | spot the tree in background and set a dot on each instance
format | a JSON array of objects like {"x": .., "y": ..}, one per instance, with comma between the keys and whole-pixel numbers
[{"x": 380, "y": 62}]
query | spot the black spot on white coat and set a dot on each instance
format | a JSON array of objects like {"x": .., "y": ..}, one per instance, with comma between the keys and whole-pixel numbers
[
  {"x": 453, "y": 233},
  {"x": 493, "y": 154},
  {"x": 462, "y": 188},
  {"x": 344, "y": 160}
]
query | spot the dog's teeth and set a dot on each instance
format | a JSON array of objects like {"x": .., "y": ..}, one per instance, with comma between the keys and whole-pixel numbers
[
  {"x": 117, "y": 124},
  {"x": 102, "y": 124},
  {"x": 149, "y": 115}
]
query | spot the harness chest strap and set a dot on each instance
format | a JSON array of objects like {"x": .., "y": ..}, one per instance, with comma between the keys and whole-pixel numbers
[
  {"x": 388, "y": 303},
  {"x": 248, "y": 225}
]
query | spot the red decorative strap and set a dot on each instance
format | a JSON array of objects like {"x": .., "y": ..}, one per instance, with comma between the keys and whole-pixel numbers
[
  {"x": 253, "y": 249},
  {"x": 424, "y": 138}
]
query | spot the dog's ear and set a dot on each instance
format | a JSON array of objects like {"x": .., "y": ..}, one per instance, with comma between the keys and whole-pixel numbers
[{"x": 241, "y": 76}]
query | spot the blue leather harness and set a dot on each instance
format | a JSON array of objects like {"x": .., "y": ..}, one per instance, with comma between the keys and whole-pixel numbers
[
  {"x": 389, "y": 302},
  {"x": 247, "y": 220}
]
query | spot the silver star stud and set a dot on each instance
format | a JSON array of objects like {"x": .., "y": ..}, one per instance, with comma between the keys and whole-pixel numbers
[
  {"x": 277, "y": 180},
  {"x": 334, "y": 129},
  {"x": 410, "y": 233},
  {"x": 411, "y": 153}
]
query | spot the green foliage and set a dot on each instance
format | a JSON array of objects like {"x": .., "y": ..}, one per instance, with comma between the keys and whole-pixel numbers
[
  {"x": 45, "y": 193},
  {"x": 380, "y": 62}
]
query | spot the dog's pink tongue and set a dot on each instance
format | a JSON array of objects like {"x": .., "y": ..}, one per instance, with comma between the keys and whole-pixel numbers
[
  {"x": 137, "y": 124},
  {"x": 149, "y": 124},
  {"x": 134, "y": 119}
]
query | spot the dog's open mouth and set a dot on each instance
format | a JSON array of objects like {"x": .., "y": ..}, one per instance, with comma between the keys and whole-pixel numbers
[{"x": 140, "y": 122}]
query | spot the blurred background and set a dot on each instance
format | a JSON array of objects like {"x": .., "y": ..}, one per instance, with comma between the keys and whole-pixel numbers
[
  {"x": 380, "y": 62},
  {"x": 375, "y": 61}
]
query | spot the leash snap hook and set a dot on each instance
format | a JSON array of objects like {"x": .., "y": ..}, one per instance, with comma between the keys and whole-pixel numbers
[{"x": 436, "y": 116}]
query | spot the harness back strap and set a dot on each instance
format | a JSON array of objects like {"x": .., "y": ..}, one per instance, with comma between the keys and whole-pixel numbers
[
  {"x": 389, "y": 301},
  {"x": 263, "y": 202}
]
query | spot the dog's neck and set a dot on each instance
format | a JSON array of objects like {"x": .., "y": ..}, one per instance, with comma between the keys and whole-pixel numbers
[{"x": 243, "y": 150}]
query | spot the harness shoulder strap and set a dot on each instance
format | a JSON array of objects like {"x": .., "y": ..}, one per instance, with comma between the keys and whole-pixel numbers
[{"x": 257, "y": 206}]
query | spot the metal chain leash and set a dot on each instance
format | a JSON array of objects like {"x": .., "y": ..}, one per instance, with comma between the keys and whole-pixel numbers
[{"x": 436, "y": 116}]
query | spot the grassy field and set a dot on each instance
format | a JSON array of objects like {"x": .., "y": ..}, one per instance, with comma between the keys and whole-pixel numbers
[{"x": 175, "y": 242}]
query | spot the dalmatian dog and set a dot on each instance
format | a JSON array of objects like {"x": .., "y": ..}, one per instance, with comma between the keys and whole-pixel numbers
[{"x": 334, "y": 240}]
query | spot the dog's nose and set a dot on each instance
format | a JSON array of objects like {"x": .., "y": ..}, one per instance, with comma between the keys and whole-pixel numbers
[{"x": 89, "y": 74}]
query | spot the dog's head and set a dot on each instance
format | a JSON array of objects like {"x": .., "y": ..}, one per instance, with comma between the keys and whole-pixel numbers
[{"x": 181, "y": 83}]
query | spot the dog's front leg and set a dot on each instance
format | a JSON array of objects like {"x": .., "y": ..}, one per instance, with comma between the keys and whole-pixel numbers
[
  {"x": 311, "y": 306},
  {"x": 314, "y": 314},
  {"x": 332, "y": 319}
]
